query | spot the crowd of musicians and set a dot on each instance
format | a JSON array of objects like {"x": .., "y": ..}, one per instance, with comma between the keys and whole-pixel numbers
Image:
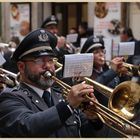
[{"x": 32, "y": 104}]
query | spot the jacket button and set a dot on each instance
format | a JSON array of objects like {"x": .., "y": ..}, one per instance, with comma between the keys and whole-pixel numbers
[{"x": 36, "y": 101}]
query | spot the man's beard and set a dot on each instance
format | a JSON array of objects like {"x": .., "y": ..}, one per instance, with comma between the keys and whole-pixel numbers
[{"x": 38, "y": 80}]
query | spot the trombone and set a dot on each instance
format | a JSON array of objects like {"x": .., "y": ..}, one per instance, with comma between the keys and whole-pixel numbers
[
  {"x": 58, "y": 65},
  {"x": 123, "y": 104}
]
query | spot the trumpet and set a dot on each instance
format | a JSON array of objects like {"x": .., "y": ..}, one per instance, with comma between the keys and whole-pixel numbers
[
  {"x": 131, "y": 68},
  {"x": 8, "y": 78}
]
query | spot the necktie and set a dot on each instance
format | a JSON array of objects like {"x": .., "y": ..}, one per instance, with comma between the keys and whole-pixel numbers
[{"x": 47, "y": 98}]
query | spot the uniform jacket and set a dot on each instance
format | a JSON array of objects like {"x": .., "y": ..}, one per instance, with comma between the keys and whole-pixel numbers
[{"x": 24, "y": 114}]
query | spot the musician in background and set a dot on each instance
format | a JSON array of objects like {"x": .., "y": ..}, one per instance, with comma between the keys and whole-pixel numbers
[
  {"x": 62, "y": 48},
  {"x": 103, "y": 74},
  {"x": 127, "y": 36},
  {"x": 5, "y": 79},
  {"x": 9, "y": 65},
  {"x": 51, "y": 24},
  {"x": 82, "y": 33},
  {"x": 34, "y": 108},
  {"x": 101, "y": 71}
]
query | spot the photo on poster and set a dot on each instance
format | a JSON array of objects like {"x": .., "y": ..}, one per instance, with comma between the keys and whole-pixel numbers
[{"x": 19, "y": 19}]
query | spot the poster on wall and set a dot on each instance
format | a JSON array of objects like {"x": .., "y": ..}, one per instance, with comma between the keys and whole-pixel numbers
[
  {"x": 19, "y": 19},
  {"x": 107, "y": 22}
]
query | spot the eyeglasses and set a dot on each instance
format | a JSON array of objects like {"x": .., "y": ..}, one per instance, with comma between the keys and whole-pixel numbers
[{"x": 42, "y": 61}]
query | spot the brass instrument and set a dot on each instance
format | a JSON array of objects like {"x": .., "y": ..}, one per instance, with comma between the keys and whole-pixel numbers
[
  {"x": 132, "y": 67},
  {"x": 5, "y": 77},
  {"x": 122, "y": 103},
  {"x": 58, "y": 65}
]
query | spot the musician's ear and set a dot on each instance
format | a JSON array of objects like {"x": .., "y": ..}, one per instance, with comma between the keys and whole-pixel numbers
[{"x": 21, "y": 66}]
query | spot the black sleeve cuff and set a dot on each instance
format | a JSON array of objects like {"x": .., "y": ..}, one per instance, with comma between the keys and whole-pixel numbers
[
  {"x": 97, "y": 124},
  {"x": 63, "y": 111}
]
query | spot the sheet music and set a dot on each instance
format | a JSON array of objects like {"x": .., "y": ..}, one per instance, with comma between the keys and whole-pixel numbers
[
  {"x": 71, "y": 38},
  {"x": 77, "y": 65},
  {"x": 2, "y": 59},
  {"x": 126, "y": 48},
  {"x": 108, "y": 48}
]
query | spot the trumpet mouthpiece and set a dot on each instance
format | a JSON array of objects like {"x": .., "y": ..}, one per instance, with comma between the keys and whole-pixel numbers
[
  {"x": 102, "y": 59},
  {"x": 47, "y": 74}
]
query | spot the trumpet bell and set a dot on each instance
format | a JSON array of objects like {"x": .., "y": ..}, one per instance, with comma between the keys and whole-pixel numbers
[{"x": 125, "y": 99}]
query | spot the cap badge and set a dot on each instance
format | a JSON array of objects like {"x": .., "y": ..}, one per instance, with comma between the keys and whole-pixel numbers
[
  {"x": 43, "y": 37},
  {"x": 53, "y": 18},
  {"x": 96, "y": 39}
]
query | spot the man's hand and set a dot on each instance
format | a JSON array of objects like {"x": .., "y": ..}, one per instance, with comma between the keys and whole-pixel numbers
[
  {"x": 117, "y": 63},
  {"x": 91, "y": 108},
  {"x": 77, "y": 94},
  {"x": 61, "y": 42}
]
